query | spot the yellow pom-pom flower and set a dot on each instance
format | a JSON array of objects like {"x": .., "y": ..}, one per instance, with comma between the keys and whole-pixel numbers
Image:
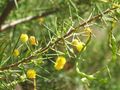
[
  {"x": 78, "y": 45},
  {"x": 33, "y": 40},
  {"x": 87, "y": 31},
  {"x": 31, "y": 73},
  {"x": 60, "y": 62},
  {"x": 24, "y": 37},
  {"x": 16, "y": 52}
]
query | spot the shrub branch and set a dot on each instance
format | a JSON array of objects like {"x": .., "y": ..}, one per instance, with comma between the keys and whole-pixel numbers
[
  {"x": 44, "y": 49},
  {"x": 27, "y": 19}
]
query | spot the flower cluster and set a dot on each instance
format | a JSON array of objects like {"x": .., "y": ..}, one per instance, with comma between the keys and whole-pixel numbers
[{"x": 25, "y": 38}]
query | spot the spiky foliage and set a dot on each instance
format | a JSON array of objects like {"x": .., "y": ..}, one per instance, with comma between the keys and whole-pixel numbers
[{"x": 49, "y": 28}]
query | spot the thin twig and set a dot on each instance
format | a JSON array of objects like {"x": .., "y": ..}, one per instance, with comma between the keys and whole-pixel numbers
[
  {"x": 57, "y": 40},
  {"x": 27, "y": 19}
]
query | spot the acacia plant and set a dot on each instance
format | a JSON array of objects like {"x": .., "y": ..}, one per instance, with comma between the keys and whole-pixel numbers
[{"x": 59, "y": 44}]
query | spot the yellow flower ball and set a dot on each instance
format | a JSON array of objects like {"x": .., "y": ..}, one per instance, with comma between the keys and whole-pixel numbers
[
  {"x": 16, "y": 52},
  {"x": 79, "y": 46},
  {"x": 33, "y": 40},
  {"x": 60, "y": 62},
  {"x": 88, "y": 31},
  {"x": 24, "y": 37},
  {"x": 31, "y": 73}
]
